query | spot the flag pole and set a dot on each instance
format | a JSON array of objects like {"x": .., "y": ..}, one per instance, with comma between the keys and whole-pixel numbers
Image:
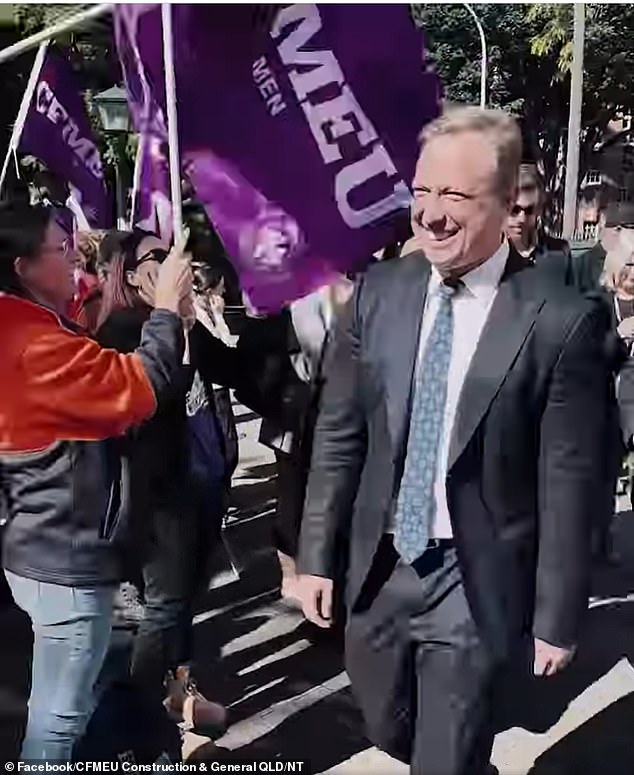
[
  {"x": 71, "y": 22},
  {"x": 24, "y": 109},
  {"x": 172, "y": 120},
  {"x": 571, "y": 189},
  {"x": 136, "y": 179}
]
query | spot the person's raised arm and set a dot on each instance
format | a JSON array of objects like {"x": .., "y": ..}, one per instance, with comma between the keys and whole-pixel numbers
[{"x": 75, "y": 389}]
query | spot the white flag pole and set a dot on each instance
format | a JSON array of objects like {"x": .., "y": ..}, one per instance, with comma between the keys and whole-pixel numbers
[
  {"x": 24, "y": 109},
  {"x": 69, "y": 23},
  {"x": 172, "y": 120},
  {"x": 136, "y": 179}
]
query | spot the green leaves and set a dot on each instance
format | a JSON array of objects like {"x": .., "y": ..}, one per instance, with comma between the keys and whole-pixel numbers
[{"x": 529, "y": 61}]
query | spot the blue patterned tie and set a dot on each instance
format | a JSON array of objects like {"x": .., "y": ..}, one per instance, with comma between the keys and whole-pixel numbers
[{"x": 416, "y": 503}]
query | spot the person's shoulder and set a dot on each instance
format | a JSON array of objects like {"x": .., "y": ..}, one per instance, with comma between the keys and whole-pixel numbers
[
  {"x": 555, "y": 244},
  {"x": 385, "y": 272},
  {"x": 596, "y": 254},
  {"x": 565, "y": 306},
  {"x": 20, "y": 319},
  {"x": 122, "y": 329}
]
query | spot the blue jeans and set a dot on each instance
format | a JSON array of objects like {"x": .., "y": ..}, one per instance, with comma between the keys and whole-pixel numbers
[{"x": 71, "y": 629}]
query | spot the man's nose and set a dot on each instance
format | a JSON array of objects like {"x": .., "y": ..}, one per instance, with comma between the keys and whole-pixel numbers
[{"x": 433, "y": 212}]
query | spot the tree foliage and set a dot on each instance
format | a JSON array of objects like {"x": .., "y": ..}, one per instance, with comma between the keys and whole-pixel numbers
[
  {"x": 90, "y": 49},
  {"x": 529, "y": 55}
]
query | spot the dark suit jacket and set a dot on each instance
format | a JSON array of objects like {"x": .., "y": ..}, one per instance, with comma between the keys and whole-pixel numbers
[
  {"x": 526, "y": 458},
  {"x": 555, "y": 263},
  {"x": 624, "y": 383},
  {"x": 588, "y": 268}
]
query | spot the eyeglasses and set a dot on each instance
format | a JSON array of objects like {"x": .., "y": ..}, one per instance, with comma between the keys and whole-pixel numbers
[
  {"x": 518, "y": 209},
  {"x": 158, "y": 255}
]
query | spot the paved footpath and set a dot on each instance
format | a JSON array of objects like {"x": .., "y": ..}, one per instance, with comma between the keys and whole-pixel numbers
[{"x": 289, "y": 696}]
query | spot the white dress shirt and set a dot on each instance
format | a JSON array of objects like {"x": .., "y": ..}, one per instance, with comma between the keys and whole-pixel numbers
[{"x": 471, "y": 306}]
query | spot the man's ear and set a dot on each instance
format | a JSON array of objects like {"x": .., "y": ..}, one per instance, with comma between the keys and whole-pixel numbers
[
  {"x": 132, "y": 279},
  {"x": 20, "y": 266}
]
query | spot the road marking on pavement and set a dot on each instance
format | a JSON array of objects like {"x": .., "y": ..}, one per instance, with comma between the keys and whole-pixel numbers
[
  {"x": 258, "y": 690},
  {"x": 263, "y": 723},
  {"x": 517, "y": 749},
  {"x": 278, "y": 624},
  {"x": 369, "y": 762},
  {"x": 600, "y": 602},
  {"x": 207, "y": 615},
  {"x": 236, "y": 521},
  {"x": 285, "y": 653}
]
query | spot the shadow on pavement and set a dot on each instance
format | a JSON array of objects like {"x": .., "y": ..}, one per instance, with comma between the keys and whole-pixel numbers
[
  {"x": 253, "y": 654},
  {"x": 604, "y": 744}
]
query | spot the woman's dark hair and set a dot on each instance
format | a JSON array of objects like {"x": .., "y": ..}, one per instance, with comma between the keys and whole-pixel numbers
[
  {"x": 22, "y": 233},
  {"x": 206, "y": 277},
  {"x": 109, "y": 247},
  {"x": 117, "y": 258},
  {"x": 130, "y": 244}
]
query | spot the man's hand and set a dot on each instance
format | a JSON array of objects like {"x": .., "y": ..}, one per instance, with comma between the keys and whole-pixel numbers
[
  {"x": 315, "y": 594},
  {"x": 551, "y": 659}
]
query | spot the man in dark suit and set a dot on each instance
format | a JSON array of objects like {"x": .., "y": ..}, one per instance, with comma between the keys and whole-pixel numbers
[
  {"x": 551, "y": 255},
  {"x": 588, "y": 267},
  {"x": 451, "y": 464}
]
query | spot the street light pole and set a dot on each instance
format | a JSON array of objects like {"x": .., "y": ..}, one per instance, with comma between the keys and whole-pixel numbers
[
  {"x": 483, "y": 56},
  {"x": 112, "y": 105},
  {"x": 574, "y": 124}
]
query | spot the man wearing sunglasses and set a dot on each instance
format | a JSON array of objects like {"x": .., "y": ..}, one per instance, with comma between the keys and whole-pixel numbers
[
  {"x": 530, "y": 240},
  {"x": 590, "y": 264}
]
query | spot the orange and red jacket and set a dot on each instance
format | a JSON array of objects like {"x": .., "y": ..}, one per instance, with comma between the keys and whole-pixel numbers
[{"x": 64, "y": 401}]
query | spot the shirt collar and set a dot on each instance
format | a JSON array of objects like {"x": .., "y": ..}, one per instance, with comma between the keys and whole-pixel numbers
[{"x": 481, "y": 282}]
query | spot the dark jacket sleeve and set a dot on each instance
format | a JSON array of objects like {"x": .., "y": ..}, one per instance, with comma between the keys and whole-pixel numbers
[
  {"x": 161, "y": 351},
  {"x": 587, "y": 269},
  {"x": 625, "y": 395},
  {"x": 217, "y": 363},
  {"x": 575, "y": 433},
  {"x": 339, "y": 450}
]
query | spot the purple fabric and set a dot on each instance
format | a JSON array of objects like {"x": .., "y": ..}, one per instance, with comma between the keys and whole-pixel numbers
[
  {"x": 152, "y": 209},
  {"x": 298, "y": 129},
  {"x": 57, "y": 131}
]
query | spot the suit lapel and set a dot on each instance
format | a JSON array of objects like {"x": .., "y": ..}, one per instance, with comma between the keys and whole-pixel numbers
[
  {"x": 510, "y": 320},
  {"x": 400, "y": 341}
]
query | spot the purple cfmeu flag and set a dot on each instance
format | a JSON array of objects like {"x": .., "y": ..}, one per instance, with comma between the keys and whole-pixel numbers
[
  {"x": 57, "y": 131},
  {"x": 298, "y": 130},
  {"x": 152, "y": 209}
]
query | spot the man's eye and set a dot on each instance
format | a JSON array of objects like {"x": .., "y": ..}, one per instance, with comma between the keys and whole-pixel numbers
[{"x": 454, "y": 196}]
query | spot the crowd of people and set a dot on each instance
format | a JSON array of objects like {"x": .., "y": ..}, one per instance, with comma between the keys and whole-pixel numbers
[{"x": 432, "y": 470}]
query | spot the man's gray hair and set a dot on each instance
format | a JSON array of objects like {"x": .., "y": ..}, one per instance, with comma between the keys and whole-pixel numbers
[{"x": 502, "y": 130}]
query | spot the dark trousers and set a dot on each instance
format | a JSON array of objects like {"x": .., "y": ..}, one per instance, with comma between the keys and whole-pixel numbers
[
  {"x": 177, "y": 556},
  {"x": 419, "y": 670},
  {"x": 291, "y": 491}
]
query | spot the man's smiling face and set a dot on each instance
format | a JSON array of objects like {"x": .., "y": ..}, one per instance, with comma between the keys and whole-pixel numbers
[{"x": 459, "y": 213}]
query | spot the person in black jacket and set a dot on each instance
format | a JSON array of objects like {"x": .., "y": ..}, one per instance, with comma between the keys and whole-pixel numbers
[
  {"x": 589, "y": 265},
  {"x": 167, "y": 504},
  {"x": 617, "y": 281},
  {"x": 550, "y": 255},
  {"x": 64, "y": 405}
]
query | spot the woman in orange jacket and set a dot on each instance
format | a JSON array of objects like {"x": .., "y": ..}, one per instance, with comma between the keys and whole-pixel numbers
[{"x": 63, "y": 404}]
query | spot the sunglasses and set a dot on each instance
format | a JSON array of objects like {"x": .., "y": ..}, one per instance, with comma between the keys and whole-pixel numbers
[
  {"x": 518, "y": 209},
  {"x": 158, "y": 255}
]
